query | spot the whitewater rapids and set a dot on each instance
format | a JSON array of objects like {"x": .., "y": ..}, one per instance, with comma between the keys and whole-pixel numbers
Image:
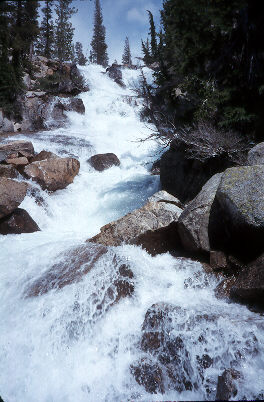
[{"x": 52, "y": 348}]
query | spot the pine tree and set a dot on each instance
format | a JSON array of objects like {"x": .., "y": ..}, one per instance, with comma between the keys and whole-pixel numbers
[
  {"x": 126, "y": 58},
  {"x": 46, "y": 40},
  {"x": 9, "y": 86},
  {"x": 98, "y": 54},
  {"x": 146, "y": 52},
  {"x": 153, "y": 37},
  {"x": 80, "y": 58},
  {"x": 64, "y": 30}
]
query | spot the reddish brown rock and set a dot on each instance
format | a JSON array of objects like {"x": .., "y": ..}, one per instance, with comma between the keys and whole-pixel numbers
[
  {"x": 149, "y": 375},
  {"x": 21, "y": 161},
  {"x": 24, "y": 148},
  {"x": 102, "y": 162},
  {"x": 8, "y": 171},
  {"x": 43, "y": 155},
  {"x": 12, "y": 194},
  {"x": 18, "y": 222},
  {"x": 53, "y": 174}
]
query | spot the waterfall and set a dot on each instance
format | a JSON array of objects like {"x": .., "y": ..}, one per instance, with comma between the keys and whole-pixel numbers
[{"x": 72, "y": 343}]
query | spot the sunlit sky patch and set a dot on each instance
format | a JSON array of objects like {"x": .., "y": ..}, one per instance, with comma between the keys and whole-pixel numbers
[{"x": 121, "y": 18}]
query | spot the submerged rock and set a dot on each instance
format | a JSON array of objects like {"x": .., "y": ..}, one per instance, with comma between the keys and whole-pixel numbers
[
  {"x": 237, "y": 215},
  {"x": 154, "y": 226},
  {"x": 75, "y": 264},
  {"x": 102, "y": 162},
  {"x": 12, "y": 193},
  {"x": 194, "y": 221},
  {"x": 54, "y": 173},
  {"x": 148, "y": 374},
  {"x": 18, "y": 222}
]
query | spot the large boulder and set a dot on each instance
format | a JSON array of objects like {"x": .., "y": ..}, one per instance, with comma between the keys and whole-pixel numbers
[
  {"x": 12, "y": 193},
  {"x": 19, "y": 148},
  {"x": 256, "y": 155},
  {"x": 194, "y": 221},
  {"x": 102, "y": 162},
  {"x": 19, "y": 221},
  {"x": 54, "y": 173},
  {"x": 154, "y": 226},
  {"x": 236, "y": 223},
  {"x": 184, "y": 176}
]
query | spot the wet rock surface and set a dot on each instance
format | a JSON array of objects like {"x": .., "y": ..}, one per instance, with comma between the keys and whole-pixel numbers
[
  {"x": 226, "y": 386},
  {"x": 19, "y": 221},
  {"x": 102, "y": 162},
  {"x": 12, "y": 193},
  {"x": 154, "y": 226},
  {"x": 53, "y": 174},
  {"x": 8, "y": 171}
]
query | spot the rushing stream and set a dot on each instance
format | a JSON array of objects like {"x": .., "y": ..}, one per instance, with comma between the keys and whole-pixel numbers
[{"x": 53, "y": 347}]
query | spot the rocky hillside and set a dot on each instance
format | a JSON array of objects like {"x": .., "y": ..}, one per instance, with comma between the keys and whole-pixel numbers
[{"x": 47, "y": 95}]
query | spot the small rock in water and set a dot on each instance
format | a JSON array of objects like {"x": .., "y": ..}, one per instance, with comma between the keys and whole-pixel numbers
[
  {"x": 18, "y": 222},
  {"x": 226, "y": 387},
  {"x": 102, "y": 162}
]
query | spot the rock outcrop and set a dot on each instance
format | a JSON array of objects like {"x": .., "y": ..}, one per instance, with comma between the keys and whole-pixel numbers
[
  {"x": 194, "y": 221},
  {"x": 19, "y": 221},
  {"x": 236, "y": 223},
  {"x": 54, "y": 173},
  {"x": 154, "y": 226},
  {"x": 256, "y": 155},
  {"x": 102, "y": 162},
  {"x": 12, "y": 193}
]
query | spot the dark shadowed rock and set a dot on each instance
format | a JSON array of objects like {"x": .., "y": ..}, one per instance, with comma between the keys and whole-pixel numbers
[
  {"x": 249, "y": 285},
  {"x": 53, "y": 174},
  {"x": 236, "y": 223},
  {"x": 148, "y": 374},
  {"x": 75, "y": 105},
  {"x": 115, "y": 74},
  {"x": 194, "y": 221},
  {"x": 22, "y": 148},
  {"x": 218, "y": 260},
  {"x": 256, "y": 155},
  {"x": 155, "y": 170},
  {"x": 184, "y": 177},
  {"x": 18, "y": 222},
  {"x": 102, "y": 162},
  {"x": 8, "y": 171},
  {"x": 154, "y": 226},
  {"x": 12, "y": 194},
  {"x": 226, "y": 387}
]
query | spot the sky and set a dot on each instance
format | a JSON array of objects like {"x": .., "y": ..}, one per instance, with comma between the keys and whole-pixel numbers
[{"x": 121, "y": 18}]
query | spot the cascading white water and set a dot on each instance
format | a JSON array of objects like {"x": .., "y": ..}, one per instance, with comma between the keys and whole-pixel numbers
[{"x": 54, "y": 347}]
